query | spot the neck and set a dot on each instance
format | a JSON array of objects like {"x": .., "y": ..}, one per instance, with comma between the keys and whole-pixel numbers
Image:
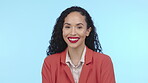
[{"x": 75, "y": 54}]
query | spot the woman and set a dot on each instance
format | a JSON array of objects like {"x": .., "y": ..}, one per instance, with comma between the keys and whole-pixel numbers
[{"x": 75, "y": 54}]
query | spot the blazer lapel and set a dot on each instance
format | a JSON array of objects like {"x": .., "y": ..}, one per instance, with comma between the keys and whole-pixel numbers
[
  {"x": 84, "y": 73},
  {"x": 66, "y": 68},
  {"x": 68, "y": 73},
  {"x": 87, "y": 66}
]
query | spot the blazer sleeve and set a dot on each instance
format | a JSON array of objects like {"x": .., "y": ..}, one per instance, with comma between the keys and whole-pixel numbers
[
  {"x": 46, "y": 73},
  {"x": 107, "y": 71}
]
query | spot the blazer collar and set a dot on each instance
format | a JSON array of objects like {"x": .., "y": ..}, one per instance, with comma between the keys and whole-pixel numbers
[
  {"x": 63, "y": 56},
  {"x": 88, "y": 56}
]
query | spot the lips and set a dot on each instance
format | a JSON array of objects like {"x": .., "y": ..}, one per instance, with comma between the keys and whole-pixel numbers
[{"x": 73, "y": 39}]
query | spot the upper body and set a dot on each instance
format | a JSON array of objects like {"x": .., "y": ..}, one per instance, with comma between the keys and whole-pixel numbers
[
  {"x": 74, "y": 40},
  {"x": 97, "y": 68}
]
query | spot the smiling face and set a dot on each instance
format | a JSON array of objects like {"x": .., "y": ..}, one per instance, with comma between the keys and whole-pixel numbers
[{"x": 75, "y": 30}]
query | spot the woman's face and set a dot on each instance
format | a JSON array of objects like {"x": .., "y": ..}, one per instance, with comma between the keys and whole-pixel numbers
[{"x": 75, "y": 30}]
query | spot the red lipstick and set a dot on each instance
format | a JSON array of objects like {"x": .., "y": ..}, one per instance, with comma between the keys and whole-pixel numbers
[{"x": 73, "y": 39}]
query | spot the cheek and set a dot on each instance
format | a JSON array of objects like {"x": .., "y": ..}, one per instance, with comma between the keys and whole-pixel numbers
[
  {"x": 64, "y": 36},
  {"x": 65, "y": 33},
  {"x": 84, "y": 33}
]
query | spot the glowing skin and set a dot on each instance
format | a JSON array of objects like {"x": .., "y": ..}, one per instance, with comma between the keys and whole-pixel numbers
[{"x": 75, "y": 30}]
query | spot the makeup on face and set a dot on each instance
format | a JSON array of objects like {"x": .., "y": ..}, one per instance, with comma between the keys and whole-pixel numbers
[
  {"x": 75, "y": 30},
  {"x": 73, "y": 39}
]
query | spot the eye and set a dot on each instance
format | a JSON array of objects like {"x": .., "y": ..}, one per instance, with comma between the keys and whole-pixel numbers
[
  {"x": 79, "y": 27},
  {"x": 67, "y": 27}
]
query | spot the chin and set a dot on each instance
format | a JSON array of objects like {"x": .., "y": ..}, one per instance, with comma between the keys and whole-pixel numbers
[{"x": 73, "y": 46}]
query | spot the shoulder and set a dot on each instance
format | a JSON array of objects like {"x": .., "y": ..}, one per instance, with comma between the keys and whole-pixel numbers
[
  {"x": 101, "y": 58},
  {"x": 102, "y": 61},
  {"x": 52, "y": 59},
  {"x": 100, "y": 55},
  {"x": 97, "y": 57}
]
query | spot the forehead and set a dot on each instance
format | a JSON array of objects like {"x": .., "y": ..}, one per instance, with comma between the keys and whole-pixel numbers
[{"x": 75, "y": 17}]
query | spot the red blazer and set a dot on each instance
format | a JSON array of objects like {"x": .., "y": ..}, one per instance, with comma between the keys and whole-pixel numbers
[{"x": 98, "y": 68}]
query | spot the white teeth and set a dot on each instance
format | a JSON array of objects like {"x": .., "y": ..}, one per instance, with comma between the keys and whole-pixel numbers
[{"x": 73, "y": 39}]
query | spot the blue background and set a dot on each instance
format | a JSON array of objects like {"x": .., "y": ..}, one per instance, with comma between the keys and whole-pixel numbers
[{"x": 26, "y": 27}]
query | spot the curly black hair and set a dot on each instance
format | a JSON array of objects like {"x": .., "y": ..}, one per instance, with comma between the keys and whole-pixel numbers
[{"x": 57, "y": 43}]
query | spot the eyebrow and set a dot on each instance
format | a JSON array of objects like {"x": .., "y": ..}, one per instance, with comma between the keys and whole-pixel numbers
[
  {"x": 76, "y": 24},
  {"x": 80, "y": 24},
  {"x": 67, "y": 23}
]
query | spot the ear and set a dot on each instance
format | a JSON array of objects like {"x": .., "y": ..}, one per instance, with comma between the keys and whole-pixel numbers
[{"x": 88, "y": 31}]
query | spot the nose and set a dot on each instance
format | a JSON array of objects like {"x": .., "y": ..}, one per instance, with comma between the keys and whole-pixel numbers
[{"x": 73, "y": 31}]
